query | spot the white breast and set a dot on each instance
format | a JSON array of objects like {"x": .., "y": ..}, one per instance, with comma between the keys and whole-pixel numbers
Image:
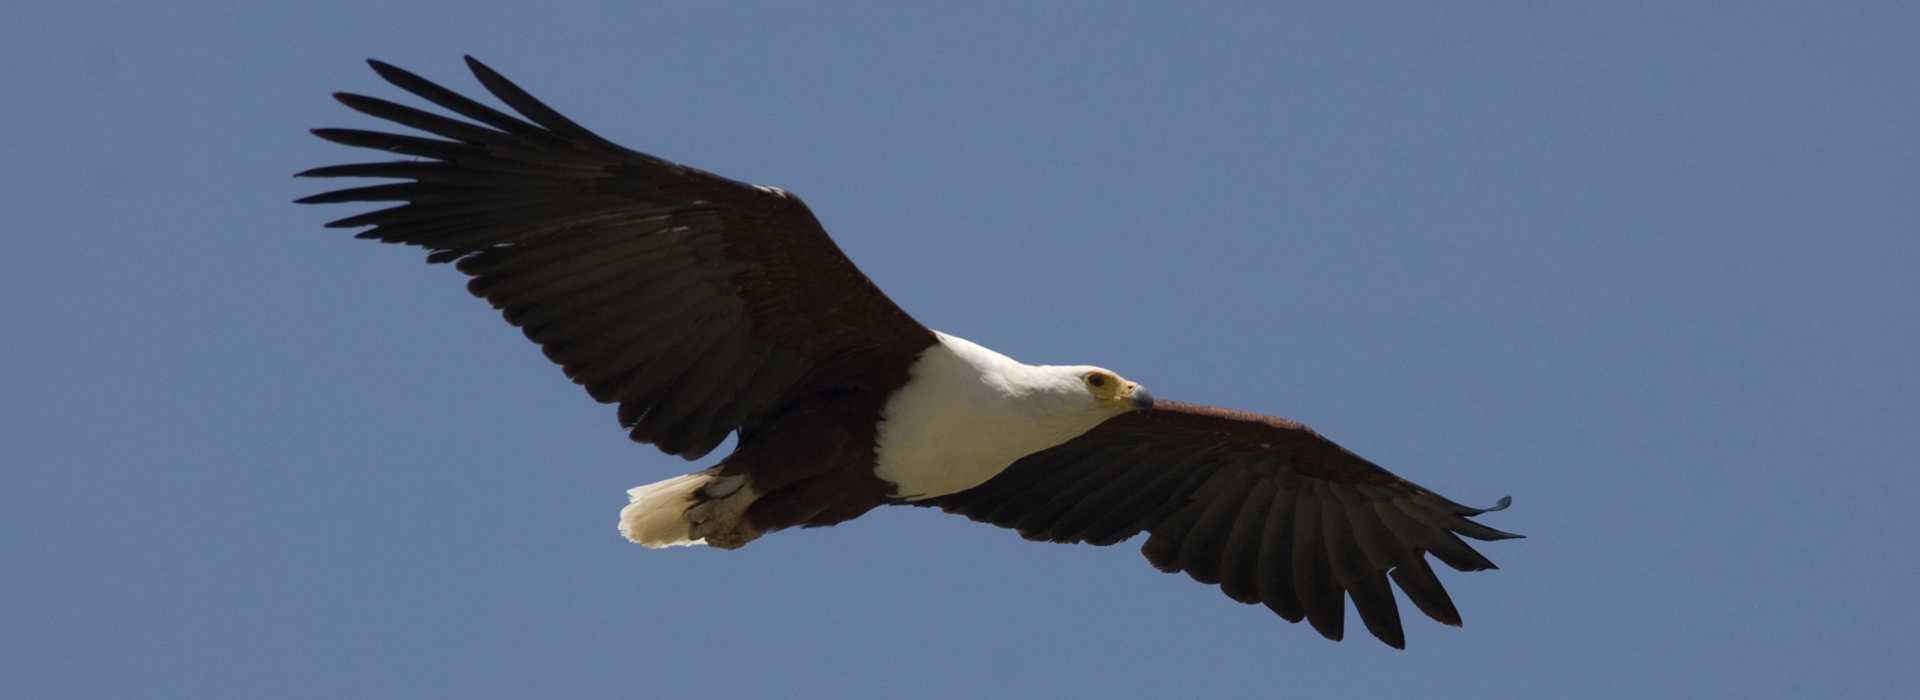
[{"x": 964, "y": 416}]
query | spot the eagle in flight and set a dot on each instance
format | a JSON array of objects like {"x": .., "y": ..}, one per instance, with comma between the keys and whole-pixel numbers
[{"x": 706, "y": 307}]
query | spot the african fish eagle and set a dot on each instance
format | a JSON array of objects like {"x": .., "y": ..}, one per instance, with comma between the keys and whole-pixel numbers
[{"x": 706, "y": 307}]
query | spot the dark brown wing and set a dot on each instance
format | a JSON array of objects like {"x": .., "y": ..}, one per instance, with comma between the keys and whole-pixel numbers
[
  {"x": 700, "y": 304},
  {"x": 1265, "y": 508}
]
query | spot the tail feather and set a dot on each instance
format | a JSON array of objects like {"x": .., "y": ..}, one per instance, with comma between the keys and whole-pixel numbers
[{"x": 655, "y": 515}]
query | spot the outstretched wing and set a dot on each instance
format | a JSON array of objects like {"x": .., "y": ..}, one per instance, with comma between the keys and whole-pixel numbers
[
  {"x": 1265, "y": 508},
  {"x": 699, "y": 304}
]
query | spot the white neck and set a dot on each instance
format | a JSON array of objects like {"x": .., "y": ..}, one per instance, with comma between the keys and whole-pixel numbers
[{"x": 969, "y": 412}]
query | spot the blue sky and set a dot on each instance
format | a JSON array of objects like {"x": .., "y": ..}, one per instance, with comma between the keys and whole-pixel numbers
[{"x": 1649, "y": 270}]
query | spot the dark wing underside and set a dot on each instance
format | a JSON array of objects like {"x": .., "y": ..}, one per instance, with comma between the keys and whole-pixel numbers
[
  {"x": 699, "y": 304},
  {"x": 1265, "y": 508}
]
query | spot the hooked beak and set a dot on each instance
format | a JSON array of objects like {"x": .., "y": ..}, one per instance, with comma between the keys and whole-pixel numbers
[{"x": 1142, "y": 399}]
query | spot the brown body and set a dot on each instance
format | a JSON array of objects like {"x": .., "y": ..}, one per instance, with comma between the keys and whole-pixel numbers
[{"x": 812, "y": 466}]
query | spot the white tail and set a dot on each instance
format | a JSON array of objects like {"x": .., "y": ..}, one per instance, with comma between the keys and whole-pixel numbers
[{"x": 655, "y": 515}]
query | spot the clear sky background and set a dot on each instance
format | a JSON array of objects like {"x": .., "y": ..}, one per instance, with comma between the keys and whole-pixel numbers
[{"x": 1652, "y": 271}]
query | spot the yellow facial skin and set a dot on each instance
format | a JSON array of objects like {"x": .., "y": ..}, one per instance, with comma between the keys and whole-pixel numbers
[{"x": 1111, "y": 388}]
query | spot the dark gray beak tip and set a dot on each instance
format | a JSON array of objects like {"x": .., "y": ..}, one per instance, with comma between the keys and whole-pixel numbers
[{"x": 1142, "y": 399}]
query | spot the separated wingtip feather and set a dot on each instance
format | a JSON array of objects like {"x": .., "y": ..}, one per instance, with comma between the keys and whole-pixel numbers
[
  {"x": 532, "y": 108},
  {"x": 388, "y": 71},
  {"x": 1489, "y": 534},
  {"x": 479, "y": 69},
  {"x": 1462, "y": 509}
]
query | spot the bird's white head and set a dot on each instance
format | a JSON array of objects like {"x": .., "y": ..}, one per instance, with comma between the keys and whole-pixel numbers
[
  {"x": 1082, "y": 396},
  {"x": 969, "y": 412},
  {"x": 961, "y": 387}
]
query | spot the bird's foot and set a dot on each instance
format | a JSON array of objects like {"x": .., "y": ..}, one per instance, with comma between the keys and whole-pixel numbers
[{"x": 722, "y": 522}]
